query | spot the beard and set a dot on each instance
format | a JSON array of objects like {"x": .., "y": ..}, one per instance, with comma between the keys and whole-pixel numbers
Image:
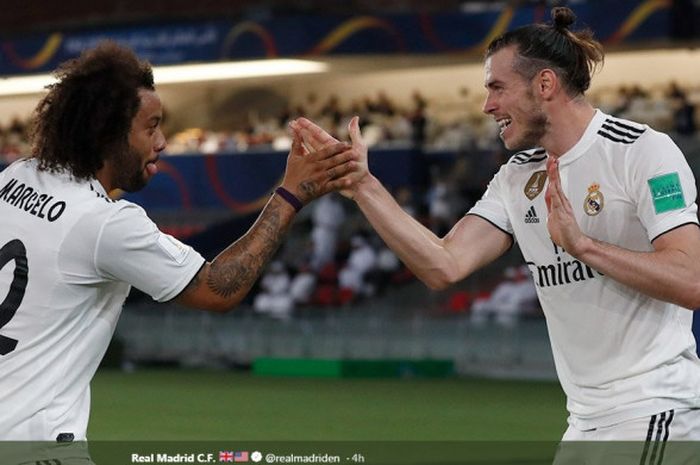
[
  {"x": 129, "y": 168},
  {"x": 535, "y": 127}
]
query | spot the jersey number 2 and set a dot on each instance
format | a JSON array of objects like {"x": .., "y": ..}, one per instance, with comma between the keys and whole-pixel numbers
[{"x": 13, "y": 250}]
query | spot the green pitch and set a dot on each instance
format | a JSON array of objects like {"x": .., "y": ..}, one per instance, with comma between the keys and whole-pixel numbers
[{"x": 211, "y": 405}]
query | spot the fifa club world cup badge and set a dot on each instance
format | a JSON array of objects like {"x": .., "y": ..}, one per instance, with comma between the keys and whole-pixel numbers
[
  {"x": 535, "y": 184},
  {"x": 594, "y": 201}
]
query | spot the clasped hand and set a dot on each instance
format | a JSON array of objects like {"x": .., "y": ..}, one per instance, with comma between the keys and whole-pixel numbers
[{"x": 315, "y": 138}]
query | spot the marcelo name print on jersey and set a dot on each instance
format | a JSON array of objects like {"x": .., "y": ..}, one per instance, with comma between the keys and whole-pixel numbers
[{"x": 28, "y": 199}]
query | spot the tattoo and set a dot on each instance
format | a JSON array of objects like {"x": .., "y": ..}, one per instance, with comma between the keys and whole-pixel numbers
[
  {"x": 235, "y": 269},
  {"x": 310, "y": 189}
]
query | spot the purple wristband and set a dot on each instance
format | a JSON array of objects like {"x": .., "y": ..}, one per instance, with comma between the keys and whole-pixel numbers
[{"x": 290, "y": 198}]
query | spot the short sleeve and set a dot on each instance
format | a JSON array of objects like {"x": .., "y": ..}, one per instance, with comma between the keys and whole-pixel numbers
[
  {"x": 131, "y": 248},
  {"x": 661, "y": 184},
  {"x": 492, "y": 205}
]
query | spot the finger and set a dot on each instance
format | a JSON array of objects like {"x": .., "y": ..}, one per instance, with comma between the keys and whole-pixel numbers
[
  {"x": 330, "y": 151},
  {"x": 294, "y": 131},
  {"x": 354, "y": 131},
  {"x": 340, "y": 183},
  {"x": 557, "y": 197},
  {"x": 297, "y": 147},
  {"x": 311, "y": 142},
  {"x": 553, "y": 170},
  {"x": 548, "y": 196},
  {"x": 347, "y": 173},
  {"x": 292, "y": 127},
  {"x": 341, "y": 166},
  {"x": 550, "y": 161},
  {"x": 561, "y": 200},
  {"x": 341, "y": 170},
  {"x": 339, "y": 159},
  {"x": 317, "y": 137}
]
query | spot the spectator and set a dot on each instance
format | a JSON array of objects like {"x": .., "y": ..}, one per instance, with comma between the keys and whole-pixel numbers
[
  {"x": 275, "y": 299},
  {"x": 513, "y": 297},
  {"x": 327, "y": 216},
  {"x": 683, "y": 111},
  {"x": 419, "y": 121},
  {"x": 361, "y": 260}
]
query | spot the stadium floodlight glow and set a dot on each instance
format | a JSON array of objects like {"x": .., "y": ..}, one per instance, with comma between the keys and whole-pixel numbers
[
  {"x": 35, "y": 84},
  {"x": 25, "y": 84},
  {"x": 235, "y": 70}
]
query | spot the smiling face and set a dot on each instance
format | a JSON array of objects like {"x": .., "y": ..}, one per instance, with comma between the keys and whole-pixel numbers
[
  {"x": 137, "y": 165},
  {"x": 512, "y": 103}
]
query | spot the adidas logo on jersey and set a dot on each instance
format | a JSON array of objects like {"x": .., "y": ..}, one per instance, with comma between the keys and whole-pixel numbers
[{"x": 531, "y": 216}]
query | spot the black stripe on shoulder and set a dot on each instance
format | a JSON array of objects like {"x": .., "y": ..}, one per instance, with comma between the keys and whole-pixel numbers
[
  {"x": 673, "y": 229},
  {"x": 101, "y": 196},
  {"x": 611, "y": 129},
  {"x": 531, "y": 160},
  {"x": 614, "y": 138},
  {"x": 530, "y": 153},
  {"x": 526, "y": 156},
  {"x": 512, "y": 239},
  {"x": 629, "y": 127}
]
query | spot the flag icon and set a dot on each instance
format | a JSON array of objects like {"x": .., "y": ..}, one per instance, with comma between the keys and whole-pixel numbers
[
  {"x": 240, "y": 456},
  {"x": 225, "y": 456}
]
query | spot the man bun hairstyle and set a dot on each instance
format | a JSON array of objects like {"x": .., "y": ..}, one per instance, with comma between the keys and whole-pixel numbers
[
  {"x": 562, "y": 18},
  {"x": 86, "y": 115},
  {"x": 574, "y": 56}
]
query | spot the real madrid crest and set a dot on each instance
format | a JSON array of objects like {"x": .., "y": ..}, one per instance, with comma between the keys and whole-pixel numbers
[
  {"x": 535, "y": 184},
  {"x": 594, "y": 201}
]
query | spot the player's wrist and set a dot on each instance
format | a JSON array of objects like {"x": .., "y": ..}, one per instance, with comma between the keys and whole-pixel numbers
[
  {"x": 365, "y": 188},
  {"x": 290, "y": 198},
  {"x": 584, "y": 248}
]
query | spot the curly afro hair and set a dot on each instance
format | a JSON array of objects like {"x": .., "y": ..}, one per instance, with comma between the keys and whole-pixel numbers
[{"x": 86, "y": 115}]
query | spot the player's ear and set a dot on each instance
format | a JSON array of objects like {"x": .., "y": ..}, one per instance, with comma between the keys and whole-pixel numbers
[{"x": 547, "y": 83}]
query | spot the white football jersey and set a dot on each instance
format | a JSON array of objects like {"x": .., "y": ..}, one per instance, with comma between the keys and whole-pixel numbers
[
  {"x": 68, "y": 256},
  {"x": 619, "y": 354}
]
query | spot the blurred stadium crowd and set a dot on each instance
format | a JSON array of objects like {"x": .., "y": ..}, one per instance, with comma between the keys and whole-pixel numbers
[{"x": 425, "y": 122}]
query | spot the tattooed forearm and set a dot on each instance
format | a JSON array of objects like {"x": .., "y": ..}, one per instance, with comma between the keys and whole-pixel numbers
[
  {"x": 236, "y": 268},
  {"x": 228, "y": 277}
]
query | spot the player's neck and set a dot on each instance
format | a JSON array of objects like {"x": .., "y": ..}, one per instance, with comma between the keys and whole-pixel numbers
[
  {"x": 567, "y": 124},
  {"x": 104, "y": 176}
]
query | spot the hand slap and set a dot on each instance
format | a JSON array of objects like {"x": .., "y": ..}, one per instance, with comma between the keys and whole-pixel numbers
[
  {"x": 561, "y": 221},
  {"x": 310, "y": 174},
  {"x": 316, "y": 138}
]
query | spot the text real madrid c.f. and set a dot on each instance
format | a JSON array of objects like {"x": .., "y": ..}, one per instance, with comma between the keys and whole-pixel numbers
[{"x": 172, "y": 458}]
